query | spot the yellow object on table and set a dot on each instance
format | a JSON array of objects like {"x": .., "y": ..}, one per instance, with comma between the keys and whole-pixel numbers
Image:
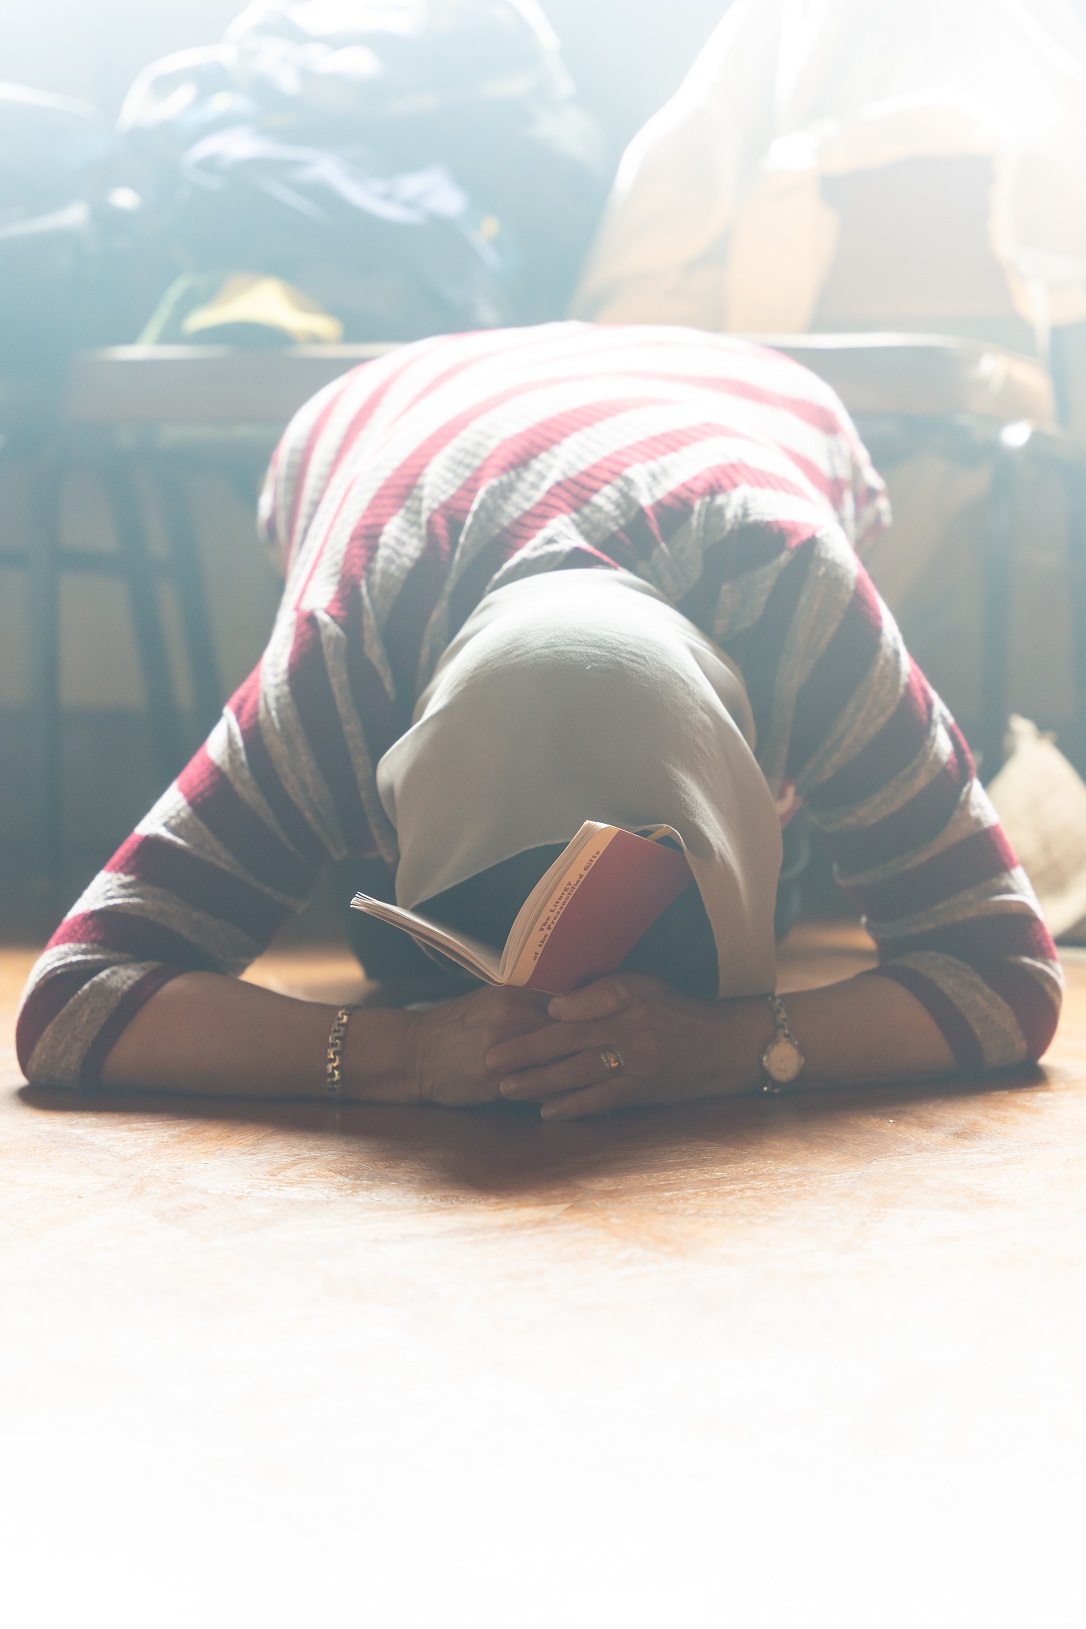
[{"x": 250, "y": 301}]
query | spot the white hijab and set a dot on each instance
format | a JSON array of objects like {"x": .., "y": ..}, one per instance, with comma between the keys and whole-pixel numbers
[{"x": 582, "y": 695}]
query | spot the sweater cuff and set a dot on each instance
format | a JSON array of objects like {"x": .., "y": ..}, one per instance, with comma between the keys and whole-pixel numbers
[
  {"x": 955, "y": 1028},
  {"x": 118, "y": 1021}
]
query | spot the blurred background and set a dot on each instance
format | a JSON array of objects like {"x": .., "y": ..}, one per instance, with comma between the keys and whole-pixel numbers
[
  {"x": 208, "y": 210},
  {"x": 626, "y": 56}
]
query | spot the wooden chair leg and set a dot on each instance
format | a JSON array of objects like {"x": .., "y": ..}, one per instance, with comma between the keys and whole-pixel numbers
[
  {"x": 996, "y": 611},
  {"x": 43, "y": 595},
  {"x": 167, "y": 733},
  {"x": 1075, "y": 487},
  {"x": 195, "y": 617}
]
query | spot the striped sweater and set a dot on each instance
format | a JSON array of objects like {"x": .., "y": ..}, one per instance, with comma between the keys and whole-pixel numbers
[{"x": 725, "y": 475}]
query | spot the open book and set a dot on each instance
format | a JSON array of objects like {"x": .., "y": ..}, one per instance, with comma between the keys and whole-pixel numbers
[{"x": 582, "y": 918}]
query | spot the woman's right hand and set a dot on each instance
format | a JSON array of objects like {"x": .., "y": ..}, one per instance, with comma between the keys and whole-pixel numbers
[{"x": 449, "y": 1043}]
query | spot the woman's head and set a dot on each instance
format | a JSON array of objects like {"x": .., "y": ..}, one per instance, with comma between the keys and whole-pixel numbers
[{"x": 577, "y": 696}]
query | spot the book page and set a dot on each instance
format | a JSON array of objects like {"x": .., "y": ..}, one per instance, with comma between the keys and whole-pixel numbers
[{"x": 478, "y": 958}]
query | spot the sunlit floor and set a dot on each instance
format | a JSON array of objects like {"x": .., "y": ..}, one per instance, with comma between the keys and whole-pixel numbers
[{"x": 818, "y": 1360}]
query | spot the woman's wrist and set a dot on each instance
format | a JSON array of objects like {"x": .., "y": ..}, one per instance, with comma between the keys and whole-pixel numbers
[
  {"x": 865, "y": 1029},
  {"x": 378, "y": 1054},
  {"x": 745, "y": 1028}
]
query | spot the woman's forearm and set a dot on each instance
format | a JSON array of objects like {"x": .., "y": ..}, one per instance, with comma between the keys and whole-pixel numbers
[
  {"x": 213, "y": 1035},
  {"x": 865, "y": 1029},
  {"x": 209, "y": 1034}
]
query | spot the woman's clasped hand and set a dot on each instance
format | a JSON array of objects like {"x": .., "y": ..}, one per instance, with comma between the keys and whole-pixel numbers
[
  {"x": 452, "y": 1041},
  {"x": 626, "y": 1041}
]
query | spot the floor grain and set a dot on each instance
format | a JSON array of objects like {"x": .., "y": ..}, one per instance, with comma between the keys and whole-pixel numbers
[{"x": 785, "y": 1362}]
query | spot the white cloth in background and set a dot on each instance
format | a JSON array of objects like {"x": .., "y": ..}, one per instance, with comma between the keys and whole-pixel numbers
[
  {"x": 717, "y": 218},
  {"x": 582, "y": 696}
]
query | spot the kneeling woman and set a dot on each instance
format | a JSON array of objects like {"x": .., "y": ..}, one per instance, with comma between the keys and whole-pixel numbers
[{"x": 534, "y": 578}]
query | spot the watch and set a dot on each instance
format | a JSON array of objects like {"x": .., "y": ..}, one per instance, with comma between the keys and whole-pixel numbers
[{"x": 782, "y": 1059}]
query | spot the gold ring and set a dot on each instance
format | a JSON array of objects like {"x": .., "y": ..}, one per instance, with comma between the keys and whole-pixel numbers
[{"x": 611, "y": 1060}]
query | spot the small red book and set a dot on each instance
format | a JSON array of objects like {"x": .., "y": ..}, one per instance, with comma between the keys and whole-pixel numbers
[{"x": 581, "y": 920}]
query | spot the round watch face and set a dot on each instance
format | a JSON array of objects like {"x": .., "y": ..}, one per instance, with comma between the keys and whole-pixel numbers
[{"x": 782, "y": 1060}]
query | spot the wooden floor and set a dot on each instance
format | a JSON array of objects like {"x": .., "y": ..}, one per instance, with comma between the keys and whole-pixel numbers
[{"x": 810, "y": 1361}]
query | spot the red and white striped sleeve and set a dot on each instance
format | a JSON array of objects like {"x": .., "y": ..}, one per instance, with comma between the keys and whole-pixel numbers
[
  {"x": 845, "y": 714},
  {"x": 224, "y": 857}
]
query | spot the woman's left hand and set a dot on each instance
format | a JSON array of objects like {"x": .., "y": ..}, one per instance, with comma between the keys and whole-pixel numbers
[{"x": 626, "y": 1041}]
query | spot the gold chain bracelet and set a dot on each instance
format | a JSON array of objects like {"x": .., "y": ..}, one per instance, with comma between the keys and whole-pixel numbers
[{"x": 333, "y": 1069}]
